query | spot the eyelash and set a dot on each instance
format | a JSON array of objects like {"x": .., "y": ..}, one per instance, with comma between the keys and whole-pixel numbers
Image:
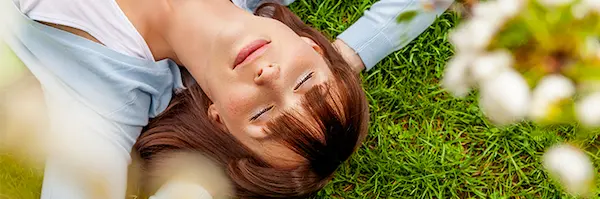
[
  {"x": 260, "y": 113},
  {"x": 306, "y": 78}
]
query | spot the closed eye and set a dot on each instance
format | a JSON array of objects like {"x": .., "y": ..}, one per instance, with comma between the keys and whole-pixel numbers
[
  {"x": 306, "y": 78},
  {"x": 260, "y": 113}
]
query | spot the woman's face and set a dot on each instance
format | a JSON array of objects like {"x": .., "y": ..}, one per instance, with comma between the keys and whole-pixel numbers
[{"x": 258, "y": 68}]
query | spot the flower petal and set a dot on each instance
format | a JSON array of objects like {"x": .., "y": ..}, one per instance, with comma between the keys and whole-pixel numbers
[
  {"x": 505, "y": 98},
  {"x": 588, "y": 110},
  {"x": 487, "y": 66},
  {"x": 571, "y": 166},
  {"x": 474, "y": 35},
  {"x": 549, "y": 91},
  {"x": 455, "y": 77},
  {"x": 510, "y": 8}
]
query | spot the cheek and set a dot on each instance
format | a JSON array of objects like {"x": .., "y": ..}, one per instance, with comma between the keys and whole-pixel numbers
[
  {"x": 302, "y": 56},
  {"x": 237, "y": 104}
]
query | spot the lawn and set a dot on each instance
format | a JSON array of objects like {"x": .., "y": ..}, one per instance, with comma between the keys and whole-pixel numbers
[{"x": 423, "y": 143}]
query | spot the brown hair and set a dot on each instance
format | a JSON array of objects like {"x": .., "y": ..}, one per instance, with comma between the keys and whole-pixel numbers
[{"x": 337, "y": 112}]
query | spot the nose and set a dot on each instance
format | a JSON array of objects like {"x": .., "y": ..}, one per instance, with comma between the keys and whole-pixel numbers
[{"x": 267, "y": 74}]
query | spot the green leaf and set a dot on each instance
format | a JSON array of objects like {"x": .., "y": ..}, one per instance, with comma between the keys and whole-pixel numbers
[{"x": 406, "y": 16}]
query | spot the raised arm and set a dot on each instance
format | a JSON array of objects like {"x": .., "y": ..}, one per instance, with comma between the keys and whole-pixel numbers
[{"x": 378, "y": 33}]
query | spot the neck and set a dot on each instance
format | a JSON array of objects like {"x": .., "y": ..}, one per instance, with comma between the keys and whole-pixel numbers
[
  {"x": 194, "y": 25},
  {"x": 170, "y": 26},
  {"x": 148, "y": 17}
]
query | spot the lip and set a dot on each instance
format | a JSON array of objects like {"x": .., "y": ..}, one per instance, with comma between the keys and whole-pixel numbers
[{"x": 251, "y": 52}]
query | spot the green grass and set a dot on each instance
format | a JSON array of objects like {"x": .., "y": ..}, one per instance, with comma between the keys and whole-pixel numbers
[
  {"x": 17, "y": 180},
  {"x": 423, "y": 143}
]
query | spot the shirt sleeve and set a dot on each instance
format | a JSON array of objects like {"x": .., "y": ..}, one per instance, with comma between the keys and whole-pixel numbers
[{"x": 378, "y": 33}]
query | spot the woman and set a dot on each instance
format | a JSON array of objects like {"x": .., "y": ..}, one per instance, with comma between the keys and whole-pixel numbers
[
  {"x": 251, "y": 68},
  {"x": 289, "y": 147},
  {"x": 92, "y": 78}
]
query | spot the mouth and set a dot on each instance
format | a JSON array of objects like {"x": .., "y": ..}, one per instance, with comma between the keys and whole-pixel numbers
[{"x": 251, "y": 52}]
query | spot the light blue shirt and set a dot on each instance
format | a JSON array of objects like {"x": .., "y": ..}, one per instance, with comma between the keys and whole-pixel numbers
[
  {"x": 98, "y": 100},
  {"x": 120, "y": 87}
]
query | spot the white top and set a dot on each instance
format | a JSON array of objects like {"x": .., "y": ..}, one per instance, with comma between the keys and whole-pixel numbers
[{"x": 102, "y": 19}]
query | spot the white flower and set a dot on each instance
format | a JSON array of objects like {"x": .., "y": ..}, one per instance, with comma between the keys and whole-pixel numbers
[
  {"x": 555, "y": 3},
  {"x": 182, "y": 190},
  {"x": 500, "y": 10},
  {"x": 505, "y": 98},
  {"x": 580, "y": 10},
  {"x": 550, "y": 90},
  {"x": 510, "y": 8},
  {"x": 585, "y": 7},
  {"x": 474, "y": 35},
  {"x": 486, "y": 10},
  {"x": 594, "y": 5},
  {"x": 497, "y": 10},
  {"x": 588, "y": 110},
  {"x": 487, "y": 66},
  {"x": 488, "y": 17},
  {"x": 455, "y": 77},
  {"x": 571, "y": 166},
  {"x": 190, "y": 175}
]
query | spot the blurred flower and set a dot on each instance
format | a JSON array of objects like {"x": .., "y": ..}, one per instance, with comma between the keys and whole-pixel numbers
[
  {"x": 497, "y": 11},
  {"x": 181, "y": 190},
  {"x": 455, "y": 77},
  {"x": 23, "y": 118},
  {"x": 505, "y": 98},
  {"x": 189, "y": 175},
  {"x": 473, "y": 36},
  {"x": 510, "y": 8},
  {"x": 585, "y": 7},
  {"x": 593, "y": 4},
  {"x": 487, "y": 66},
  {"x": 549, "y": 91},
  {"x": 588, "y": 110},
  {"x": 571, "y": 166},
  {"x": 488, "y": 17},
  {"x": 500, "y": 37}
]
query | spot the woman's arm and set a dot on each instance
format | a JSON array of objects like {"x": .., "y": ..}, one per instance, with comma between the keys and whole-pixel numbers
[{"x": 378, "y": 33}]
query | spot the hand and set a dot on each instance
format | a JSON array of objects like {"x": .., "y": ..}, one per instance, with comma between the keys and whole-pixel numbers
[{"x": 349, "y": 55}]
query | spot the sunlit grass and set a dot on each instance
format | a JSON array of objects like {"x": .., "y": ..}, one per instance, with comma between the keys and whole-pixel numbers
[
  {"x": 18, "y": 179},
  {"x": 423, "y": 143}
]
